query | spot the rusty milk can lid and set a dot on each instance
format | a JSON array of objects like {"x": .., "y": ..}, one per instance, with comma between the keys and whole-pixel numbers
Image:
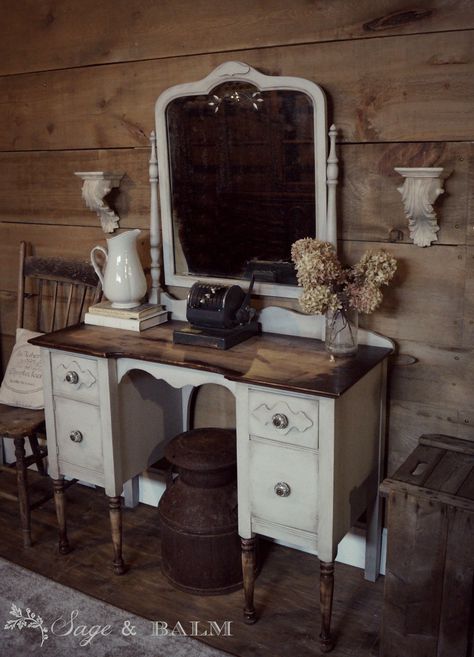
[{"x": 203, "y": 449}]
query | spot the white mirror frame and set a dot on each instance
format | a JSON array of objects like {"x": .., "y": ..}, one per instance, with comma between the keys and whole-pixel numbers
[{"x": 325, "y": 179}]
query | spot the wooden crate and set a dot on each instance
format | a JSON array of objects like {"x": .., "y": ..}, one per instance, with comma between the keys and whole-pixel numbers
[{"x": 429, "y": 583}]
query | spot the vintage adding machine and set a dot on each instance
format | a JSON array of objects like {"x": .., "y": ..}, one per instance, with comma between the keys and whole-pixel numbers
[{"x": 219, "y": 316}]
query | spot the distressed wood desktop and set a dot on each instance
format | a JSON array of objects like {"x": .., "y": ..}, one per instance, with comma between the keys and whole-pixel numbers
[{"x": 308, "y": 431}]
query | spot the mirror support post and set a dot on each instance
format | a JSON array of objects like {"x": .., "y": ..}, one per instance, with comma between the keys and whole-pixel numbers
[
  {"x": 155, "y": 229},
  {"x": 332, "y": 176}
]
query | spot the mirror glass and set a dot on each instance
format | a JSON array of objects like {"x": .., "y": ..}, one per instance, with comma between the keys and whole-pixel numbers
[{"x": 242, "y": 180}]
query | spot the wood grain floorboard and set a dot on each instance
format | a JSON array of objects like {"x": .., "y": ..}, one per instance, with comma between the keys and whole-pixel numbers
[{"x": 287, "y": 591}]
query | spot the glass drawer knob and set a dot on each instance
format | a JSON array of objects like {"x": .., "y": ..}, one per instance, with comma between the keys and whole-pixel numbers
[
  {"x": 72, "y": 377},
  {"x": 282, "y": 489},
  {"x": 280, "y": 421},
  {"x": 76, "y": 436}
]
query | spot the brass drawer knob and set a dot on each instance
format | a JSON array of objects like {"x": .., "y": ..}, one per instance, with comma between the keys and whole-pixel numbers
[
  {"x": 280, "y": 421},
  {"x": 72, "y": 377},
  {"x": 282, "y": 489},
  {"x": 76, "y": 436}
]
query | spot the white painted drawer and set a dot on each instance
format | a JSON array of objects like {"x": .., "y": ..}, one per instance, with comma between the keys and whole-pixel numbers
[
  {"x": 271, "y": 465},
  {"x": 86, "y": 450},
  {"x": 75, "y": 377},
  {"x": 284, "y": 418}
]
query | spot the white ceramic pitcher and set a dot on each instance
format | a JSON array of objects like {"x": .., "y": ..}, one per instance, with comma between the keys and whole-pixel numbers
[{"x": 122, "y": 277}]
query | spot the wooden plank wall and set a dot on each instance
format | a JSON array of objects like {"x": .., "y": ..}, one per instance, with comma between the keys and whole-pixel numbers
[{"x": 78, "y": 81}]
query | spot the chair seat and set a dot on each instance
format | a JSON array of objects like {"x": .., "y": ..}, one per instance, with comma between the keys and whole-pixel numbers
[{"x": 20, "y": 422}]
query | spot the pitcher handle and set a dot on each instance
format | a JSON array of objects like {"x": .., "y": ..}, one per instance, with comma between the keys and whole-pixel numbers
[{"x": 95, "y": 264}]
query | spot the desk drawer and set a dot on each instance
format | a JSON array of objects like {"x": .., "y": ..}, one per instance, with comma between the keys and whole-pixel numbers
[
  {"x": 292, "y": 473},
  {"x": 78, "y": 434},
  {"x": 284, "y": 418},
  {"x": 75, "y": 377}
]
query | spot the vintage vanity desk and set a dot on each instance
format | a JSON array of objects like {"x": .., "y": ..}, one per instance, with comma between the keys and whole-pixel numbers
[{"x": 243, "y": 172}]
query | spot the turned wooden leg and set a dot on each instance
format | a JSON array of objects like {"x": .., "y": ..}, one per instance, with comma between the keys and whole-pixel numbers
[
  {"x": 326, "y": 589},
  {"x": 39, "y": 460},
  {"x": 248, "y": 571},
  {"x": 60, "y": 504},
  {"x": 115, "y": 512},
  {"x": 23, "y": 496}
]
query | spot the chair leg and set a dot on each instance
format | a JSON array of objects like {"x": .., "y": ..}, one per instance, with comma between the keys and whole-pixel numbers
[
  {"x": 23, "y": 496},
  {"x": 39, "y": 458}
]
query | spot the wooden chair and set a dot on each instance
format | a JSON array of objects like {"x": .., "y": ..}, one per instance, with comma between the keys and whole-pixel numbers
[{"x": 52, "y": 293}]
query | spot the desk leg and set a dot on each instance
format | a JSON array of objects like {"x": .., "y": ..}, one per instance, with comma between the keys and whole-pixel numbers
[
  {"x": 326, "y": 589},
  {"x": 131, "y": 492},
  {"x": 249, "y": 563},
  {"x": 373, "y": 545},
  {"x": 374, "y": 506},
  {"x": 60, "y": 504},
  {"x": 115, "y": 512}
]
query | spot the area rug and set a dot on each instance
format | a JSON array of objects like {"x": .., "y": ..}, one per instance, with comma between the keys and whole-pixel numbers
[{"x": 43, "y": 618}]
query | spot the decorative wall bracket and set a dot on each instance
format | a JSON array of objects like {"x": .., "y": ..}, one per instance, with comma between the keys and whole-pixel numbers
[
  {"x": 96, "y": 186},
  {"x": 420, "y": 190}
]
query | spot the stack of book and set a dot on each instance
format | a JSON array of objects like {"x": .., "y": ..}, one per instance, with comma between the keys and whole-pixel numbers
[{"x": 137, "y": 318}]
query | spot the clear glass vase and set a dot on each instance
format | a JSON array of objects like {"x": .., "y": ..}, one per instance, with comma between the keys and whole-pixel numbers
[{"x": 341, "y": 332}]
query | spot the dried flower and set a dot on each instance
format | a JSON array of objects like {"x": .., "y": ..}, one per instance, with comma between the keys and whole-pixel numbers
[
  {"x": 364, "y": 298},
  {"x": 319, "y": 299},
  {"x": 310, "y": 245},
  {"x": 313, "y": 269},
  {"x": 316, "y": 262},
  {"x": 329, "y": 286},
  {"x": 376, "y": 267}
]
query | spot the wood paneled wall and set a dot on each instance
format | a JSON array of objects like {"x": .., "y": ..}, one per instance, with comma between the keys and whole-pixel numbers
[{"x": 78, "y": 81}]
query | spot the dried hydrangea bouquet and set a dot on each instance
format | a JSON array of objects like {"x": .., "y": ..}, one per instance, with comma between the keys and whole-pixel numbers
[{"x": 340, "y": 292}]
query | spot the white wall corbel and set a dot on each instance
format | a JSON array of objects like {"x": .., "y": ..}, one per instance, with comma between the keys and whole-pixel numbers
[
  {"x": 96, "y": 186},
  {"x": 420, "y": 190}
]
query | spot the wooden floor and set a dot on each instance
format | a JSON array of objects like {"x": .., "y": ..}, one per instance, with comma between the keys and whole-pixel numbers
[{"x": 286, "y": 593}]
